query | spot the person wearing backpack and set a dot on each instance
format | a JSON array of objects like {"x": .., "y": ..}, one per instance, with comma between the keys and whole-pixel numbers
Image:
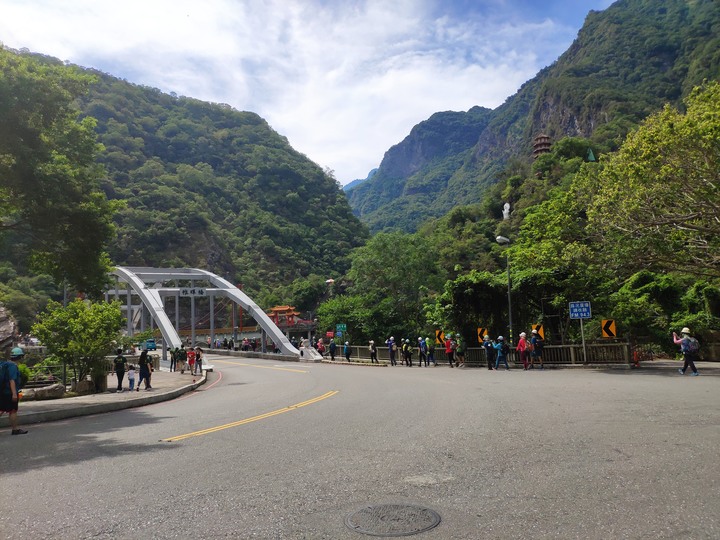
[
  {"x": 502, "y": 349},
  {"x": 690, "y": 348},
  {"x": 10, "y": 386}
]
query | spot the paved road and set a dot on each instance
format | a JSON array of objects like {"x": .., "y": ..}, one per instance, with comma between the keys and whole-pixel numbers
[{"x": 273, "y": 451}]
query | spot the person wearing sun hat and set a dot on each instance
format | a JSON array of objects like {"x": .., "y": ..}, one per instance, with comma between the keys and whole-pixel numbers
[{"x": 689, "y": 347}]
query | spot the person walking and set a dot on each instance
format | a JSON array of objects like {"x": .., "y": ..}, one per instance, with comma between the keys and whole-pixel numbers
[
  {"x": 191, "y": 360},
  {"x": 198, "y": 360},
  {"x": 422, "y": 352},
  {"x": 181, "y": 359},
  {"x": 131, "y": 377},
  {"x": 536, "y": 349},
  {"x": 450, "y": 350},
  {"x": 430, "y": 345},
  {"x": 347, "y": 351},
  {"x": 407, "y": 352},
  {"x": 144, "y": 364},
  {"x": 119, "y": 365},
  {"x": 502, "y": 349},
  {"x": 373, "y": 352},
  {"x": 460, "y": 352},
  {"x": 522, "y": 348},
  {"x": 489, "y": 351},
  {"x": 689, "y": 347},
  {"x": 10, "y": 386},
  {"x": 392, "y": 350},
  {"x": 173, "y": 359}
]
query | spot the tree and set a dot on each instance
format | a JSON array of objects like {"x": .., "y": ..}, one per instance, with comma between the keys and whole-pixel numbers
[
  {"x": 658, "y": 198},
  {"x": 49, "y": 188},
  {"x": 81, "y": 334}
]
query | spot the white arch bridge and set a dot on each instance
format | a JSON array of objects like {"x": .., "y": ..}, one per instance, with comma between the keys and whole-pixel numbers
[{"x": 154, "y": 285}]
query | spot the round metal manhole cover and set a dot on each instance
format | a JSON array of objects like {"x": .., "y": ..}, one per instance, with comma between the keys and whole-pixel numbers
[{"x": 392, "y": 520}]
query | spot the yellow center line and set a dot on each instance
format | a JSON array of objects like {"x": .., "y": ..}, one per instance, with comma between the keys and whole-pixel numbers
[
  {"x": 253, "y": 419},
  {"x": 261, "y": 367}
]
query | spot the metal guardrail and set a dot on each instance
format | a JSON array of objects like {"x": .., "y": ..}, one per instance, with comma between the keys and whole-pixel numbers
[{"x": 597, "y": 354}]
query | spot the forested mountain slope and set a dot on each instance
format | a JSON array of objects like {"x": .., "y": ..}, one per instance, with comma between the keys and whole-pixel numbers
[
  {"x": 626, "y": 62},
  {"x": 209, "y": 186}
]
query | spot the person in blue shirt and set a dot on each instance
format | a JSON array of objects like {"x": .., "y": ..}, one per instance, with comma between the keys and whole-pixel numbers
[
  {"x": 502, "y": 349},
  {"x": 333, "y": 347},
  {"x": 347, "y": 351},
  {"x": 10, "y": 390}
]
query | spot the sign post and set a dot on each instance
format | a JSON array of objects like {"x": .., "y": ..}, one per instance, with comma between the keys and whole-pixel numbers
[{"x": 581, "y": 310}]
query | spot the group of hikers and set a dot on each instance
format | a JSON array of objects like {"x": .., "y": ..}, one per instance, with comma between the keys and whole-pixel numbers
[
  {"x": 190, "y": 359},
  {"x": 496, "y": 351}
]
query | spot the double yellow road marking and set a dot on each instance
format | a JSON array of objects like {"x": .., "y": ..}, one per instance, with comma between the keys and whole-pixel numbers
[{"x": 253, "y": 419}]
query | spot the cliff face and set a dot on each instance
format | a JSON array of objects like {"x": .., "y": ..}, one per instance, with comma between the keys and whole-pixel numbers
[
  {"x": 7, "y": 330},
  {"x": 627, "y": 62}
]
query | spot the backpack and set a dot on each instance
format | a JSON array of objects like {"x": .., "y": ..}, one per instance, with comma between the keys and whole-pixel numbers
[
  {"x": 4, "y": 377},
  {"x": 505, "y": 348},
  {"x": 693, "y": 346}
]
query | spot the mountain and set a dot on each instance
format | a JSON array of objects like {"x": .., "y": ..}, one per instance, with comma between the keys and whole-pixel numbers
[
  {"x": 207, "y": 185},
  {"x": 627, "y": 61},
  {"x": 355, "y": 183}
]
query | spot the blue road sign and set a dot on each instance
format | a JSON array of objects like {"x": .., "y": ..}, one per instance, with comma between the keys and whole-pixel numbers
[{"x": 580, "y": 310}]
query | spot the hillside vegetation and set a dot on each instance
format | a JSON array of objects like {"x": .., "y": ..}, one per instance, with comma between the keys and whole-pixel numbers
[{"x": 627, "y": 62}]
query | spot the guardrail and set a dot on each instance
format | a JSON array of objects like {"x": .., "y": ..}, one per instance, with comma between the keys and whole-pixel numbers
[{"x": 597, "y": 354}]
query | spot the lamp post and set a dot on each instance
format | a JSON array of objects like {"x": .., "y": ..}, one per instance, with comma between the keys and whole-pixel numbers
[{"x": 502, "y": 240}]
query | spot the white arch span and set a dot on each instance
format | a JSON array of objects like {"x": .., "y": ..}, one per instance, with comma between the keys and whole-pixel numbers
[{"x": 149, "y": 285}]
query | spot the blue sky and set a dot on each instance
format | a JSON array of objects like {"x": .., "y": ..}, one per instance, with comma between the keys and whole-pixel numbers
[{"x": 342, "y": 80}]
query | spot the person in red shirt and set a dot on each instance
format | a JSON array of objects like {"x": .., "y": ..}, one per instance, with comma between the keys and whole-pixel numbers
[
  {"x": 450, "y": 349},
  {"x": 191, "y": 359},
  {"x": 522, "y": 349}
]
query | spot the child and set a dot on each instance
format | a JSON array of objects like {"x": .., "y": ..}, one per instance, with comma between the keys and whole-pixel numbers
[
  {"x": 131, "y": 376},
  {"x": 191, "y": 359}
]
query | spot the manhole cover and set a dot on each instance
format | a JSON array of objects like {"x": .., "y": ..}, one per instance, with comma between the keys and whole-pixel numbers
[{"x": 392, "y": 520}]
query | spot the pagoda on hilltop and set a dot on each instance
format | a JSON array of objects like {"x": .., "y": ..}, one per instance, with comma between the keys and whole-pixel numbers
[{"x": 541, "y": 145}]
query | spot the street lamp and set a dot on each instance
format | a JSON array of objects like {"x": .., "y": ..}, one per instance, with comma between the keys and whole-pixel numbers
[{"x": 502, "y": 240}]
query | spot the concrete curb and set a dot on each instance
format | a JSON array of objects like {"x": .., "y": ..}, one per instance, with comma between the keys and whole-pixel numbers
[{"x": 86, "y": 409}]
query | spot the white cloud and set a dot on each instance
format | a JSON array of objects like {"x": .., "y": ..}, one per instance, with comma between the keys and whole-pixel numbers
[{"x": 343, "y": 81}]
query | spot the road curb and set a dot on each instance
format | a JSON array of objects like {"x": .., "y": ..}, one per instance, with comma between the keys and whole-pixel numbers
[{"x": 99, "y": 408}]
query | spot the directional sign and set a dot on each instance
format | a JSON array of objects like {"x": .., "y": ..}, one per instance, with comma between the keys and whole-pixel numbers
[
  {"x": 481, "y": 334},
  {"x": 192, "y": 291},
  {"x": 540, "y": 330},
  {"x": 580, "y": 310},
  {"x": 608, "y": 328},
  {"x": 439, "y": 337},
  {"x": 338, "y": 333},
  {"x": 342, "y": 327}
]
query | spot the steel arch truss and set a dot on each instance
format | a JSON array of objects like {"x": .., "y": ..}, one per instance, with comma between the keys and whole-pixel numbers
[{"x": 151, "y": 285}]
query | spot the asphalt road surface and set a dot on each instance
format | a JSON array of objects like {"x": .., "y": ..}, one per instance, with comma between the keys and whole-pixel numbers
[{"x": 278, "y": 450}]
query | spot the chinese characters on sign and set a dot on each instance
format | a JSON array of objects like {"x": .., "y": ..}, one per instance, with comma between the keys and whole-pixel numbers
[
  {"x": 580, "y": 310},
  {"x": 192, "y": 291}
]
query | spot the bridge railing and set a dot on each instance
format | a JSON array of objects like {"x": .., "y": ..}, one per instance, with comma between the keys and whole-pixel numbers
[{"x": 572, "y": 354}]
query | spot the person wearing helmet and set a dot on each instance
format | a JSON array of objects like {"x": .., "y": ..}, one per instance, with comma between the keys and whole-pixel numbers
[
  {"x": 373, "y": 352},
  {"x": 392, "y": 349},
  {"x": 430, "y": 344},
  {"x": 522, "y": 348},
  {"x": 502, "y": 349},
  {"x": 422, "y": 352},
  {"x": 536, "y": 349},
  {"x": 10, "y": 386},
  {"x": 347, "y": 351},
  {"x": 450, "y": 346},
  {"x": 489, "y": 351}
]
